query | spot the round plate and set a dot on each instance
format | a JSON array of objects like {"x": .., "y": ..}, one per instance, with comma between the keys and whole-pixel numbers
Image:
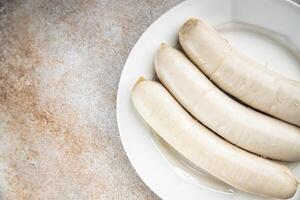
[{"x": 266, "y": 30}]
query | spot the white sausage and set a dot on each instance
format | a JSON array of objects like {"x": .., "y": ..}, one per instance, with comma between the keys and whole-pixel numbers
[
  {"x": 239, "y": 75},
  {"x": 240, "y": 125},
  {"x": 234, "y": 166}
]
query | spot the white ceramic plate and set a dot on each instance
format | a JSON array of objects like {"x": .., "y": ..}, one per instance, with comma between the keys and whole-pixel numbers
[{"x": 267, "y": 30}]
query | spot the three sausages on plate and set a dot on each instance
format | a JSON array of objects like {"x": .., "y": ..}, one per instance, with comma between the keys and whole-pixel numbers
[{"x": 229, "y": 140}]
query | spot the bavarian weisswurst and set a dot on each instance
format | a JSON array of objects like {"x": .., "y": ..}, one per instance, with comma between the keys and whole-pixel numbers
[
  {"x": 243, "y": 126},
  {"x": 234, "y": 166},
  {"x": 239, "y": 75}
]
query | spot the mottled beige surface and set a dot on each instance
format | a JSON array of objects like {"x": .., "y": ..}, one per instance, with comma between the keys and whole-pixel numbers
[{"x": 60, "y": 64}]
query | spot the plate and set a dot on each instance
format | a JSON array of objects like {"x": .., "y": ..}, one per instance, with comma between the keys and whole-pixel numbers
[{"x": 266, "y": 30}]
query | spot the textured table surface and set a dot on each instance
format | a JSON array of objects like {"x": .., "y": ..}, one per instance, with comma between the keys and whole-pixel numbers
[{"x": 60, "y": 63}]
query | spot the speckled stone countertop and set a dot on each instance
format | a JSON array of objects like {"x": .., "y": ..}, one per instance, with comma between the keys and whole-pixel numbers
[{"x": 60, "y": 64}]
